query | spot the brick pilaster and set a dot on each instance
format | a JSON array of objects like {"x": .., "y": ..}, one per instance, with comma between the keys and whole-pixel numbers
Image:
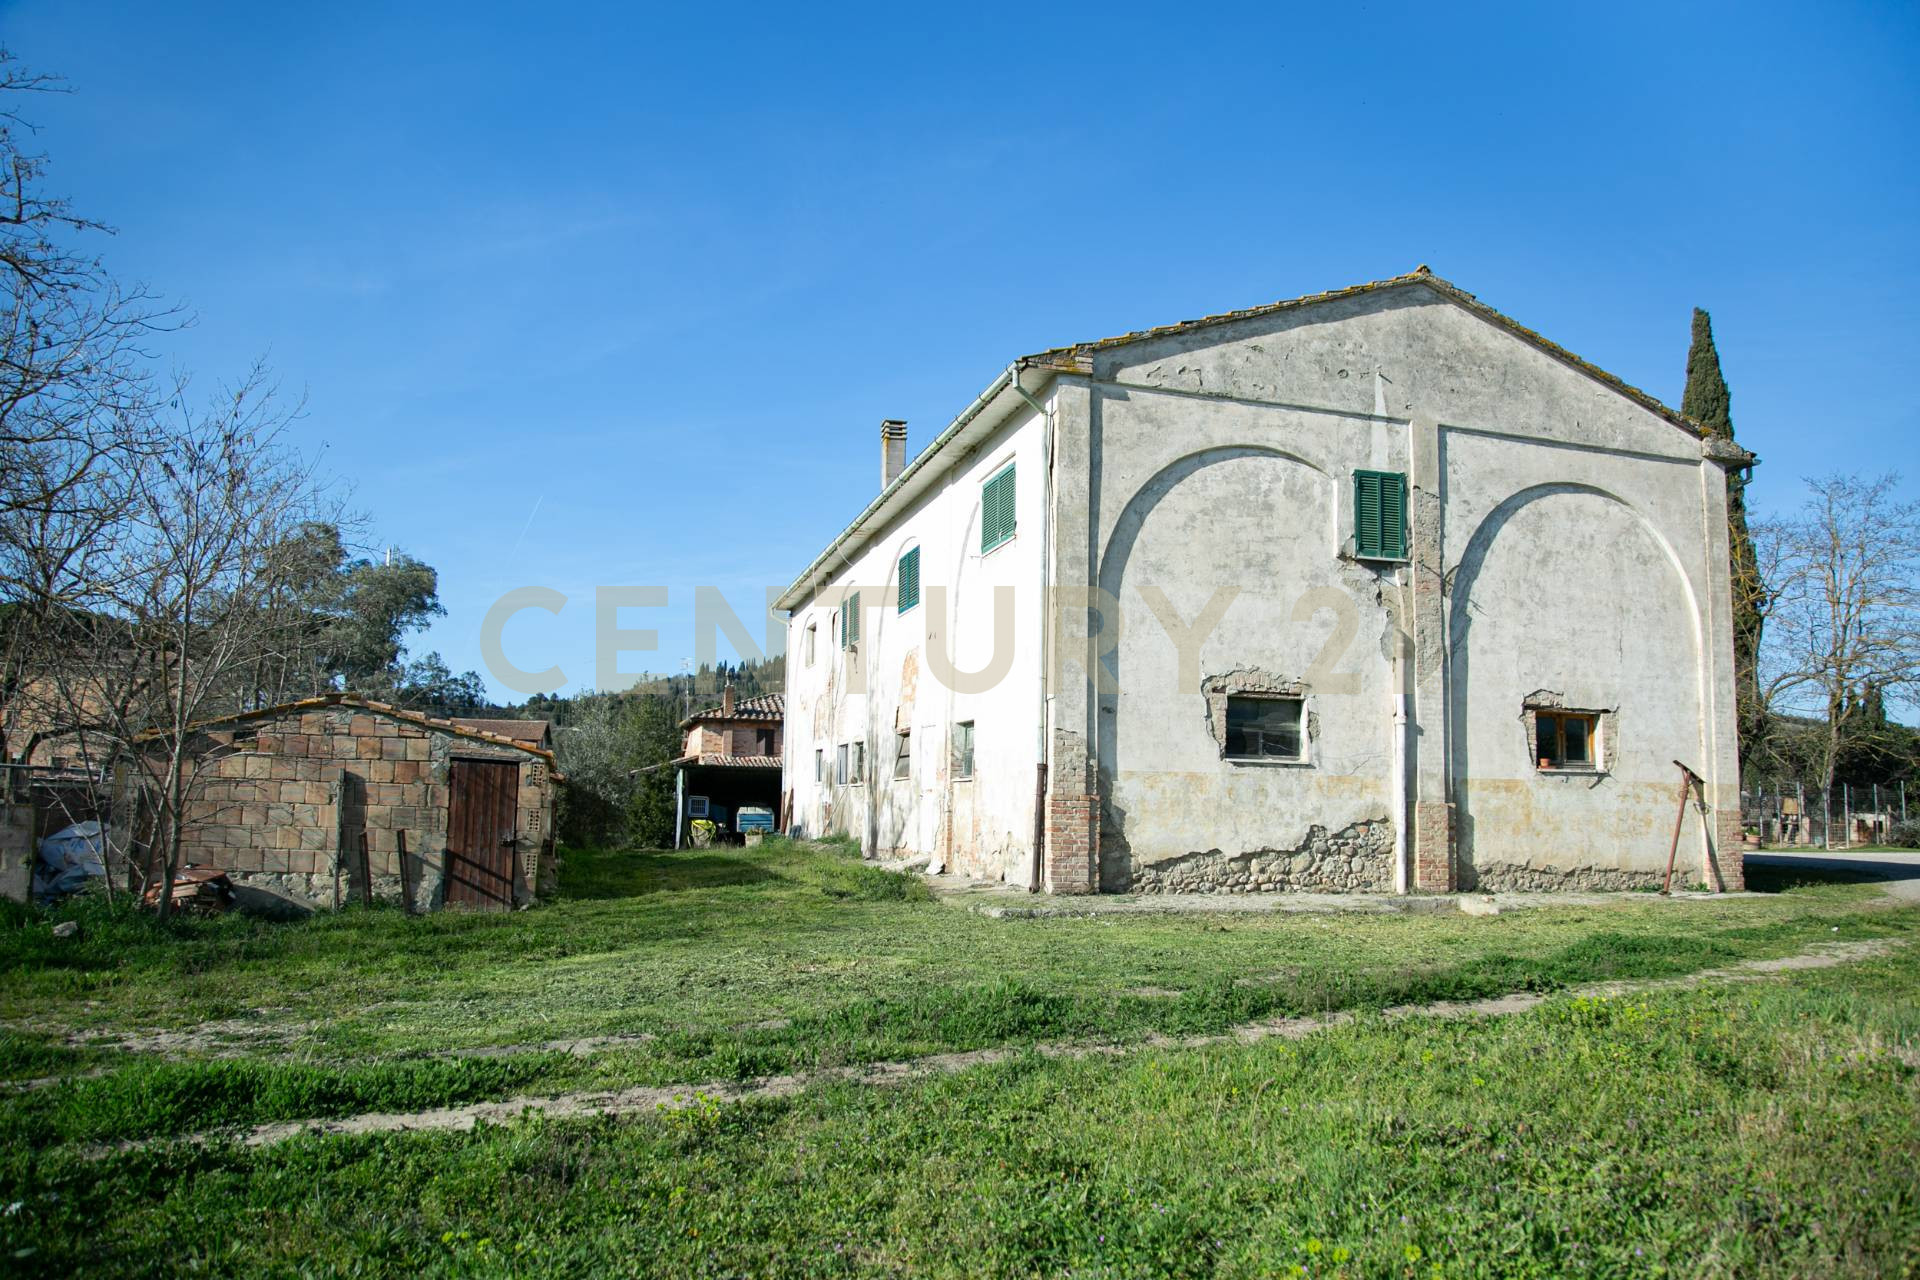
[
  {"x": 1433, "y": 862},
  {"x": 1072, "y": 859},
  {"x": 1730, "y": 848}
]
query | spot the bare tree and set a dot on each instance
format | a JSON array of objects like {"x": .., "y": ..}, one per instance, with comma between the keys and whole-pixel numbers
[
  {"x": 75, "y": 386},
  {"x": 1843, "y": 615},
  {"x": 185, "y": 601},
  {"x": 73, "y": 372}
]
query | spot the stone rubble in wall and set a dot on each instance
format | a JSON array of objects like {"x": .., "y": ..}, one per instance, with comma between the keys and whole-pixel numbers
[
  {"x": 315, "y": 890},
  {"x": 1355, "y": 859},
  {"x": 1512, "y": 878}
]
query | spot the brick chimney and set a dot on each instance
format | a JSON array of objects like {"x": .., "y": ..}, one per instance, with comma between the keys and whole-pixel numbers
[
  {"x": 726, "y": 699},
  {"x": 893, "y": 450}
]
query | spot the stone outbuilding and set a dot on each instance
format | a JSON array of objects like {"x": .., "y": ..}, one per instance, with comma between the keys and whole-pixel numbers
[{"x": 342, "y": 799}]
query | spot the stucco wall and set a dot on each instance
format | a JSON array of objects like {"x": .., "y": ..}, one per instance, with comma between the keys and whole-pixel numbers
[
  {"x": 1566, "y": 543},
  {"x": 1568, "y": 533},
  {"x": 1198, "y": 497},
  {"x": 981, "y": 826}
]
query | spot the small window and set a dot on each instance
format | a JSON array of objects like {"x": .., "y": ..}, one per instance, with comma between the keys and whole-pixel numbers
[
  {"x": 819, "y": 764},
  {"x": 963, "y": 749},
  {"x": 996, "y": 510},
  {"x": 850, "y": 621},
  {"x": 909, "y": 580},
  {"x": 1264, "y": 729},
  {"x": 1563, "y": 739},
  {"x": 813, "y": 634},
  {"x": 763, "y": 742},
  {"x": 248, "y": 736},
  {"x": 859, "y": 764},
  {"x": 840, "y": 765},
  {"x": 1380, "y": 515},
  {"x": 902, "y": 755}
]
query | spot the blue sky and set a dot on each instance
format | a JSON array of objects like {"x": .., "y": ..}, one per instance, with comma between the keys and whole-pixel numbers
[{"x": 619, "y": 294}]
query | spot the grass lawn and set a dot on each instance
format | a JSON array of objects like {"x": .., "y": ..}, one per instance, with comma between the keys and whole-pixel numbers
[{"x": 1760, "y": 1128}]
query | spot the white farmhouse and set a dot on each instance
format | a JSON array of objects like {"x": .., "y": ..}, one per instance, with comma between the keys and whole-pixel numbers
[{"x": 1373, "y": 590}]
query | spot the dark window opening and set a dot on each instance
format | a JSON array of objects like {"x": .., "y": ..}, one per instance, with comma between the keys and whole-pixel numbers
[
  {"x": 902, "y": 755},
  {"x": 1264, "y": 729},
  {"x": 963, "y": 749},
  {"x": 1563, "y": 740}
]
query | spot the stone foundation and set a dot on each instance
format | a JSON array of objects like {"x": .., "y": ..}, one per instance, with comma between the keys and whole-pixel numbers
[
  {"x": 1355, "y": 859},
  {"x": 317, "y": 889},
  {"x": 1511, "y": 878}
]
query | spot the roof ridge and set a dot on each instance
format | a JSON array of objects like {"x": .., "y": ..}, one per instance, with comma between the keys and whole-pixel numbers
[
  {"x": 337, "y": 698},
  {"x": 1422, "y": 274}
]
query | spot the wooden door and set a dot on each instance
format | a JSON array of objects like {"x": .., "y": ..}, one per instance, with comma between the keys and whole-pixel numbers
[{"x": 482, "y": 833}]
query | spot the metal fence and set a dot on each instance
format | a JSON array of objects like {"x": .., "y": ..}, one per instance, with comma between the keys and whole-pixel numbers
[{"x": 1794, "y": 815}]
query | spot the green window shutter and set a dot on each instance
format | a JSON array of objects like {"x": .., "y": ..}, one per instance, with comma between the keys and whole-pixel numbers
[
  {"x": 1379, "y": 515},
  {"x": 996, "y": 510},
  {"x": 1393, "y": 516},
  {"x": 1366, "y": 513},
  {"x": 909, "y": 580},
  {"x": 853, "y": 619}
]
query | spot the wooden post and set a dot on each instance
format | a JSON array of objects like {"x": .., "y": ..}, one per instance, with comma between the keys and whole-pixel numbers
[
  {"x": 1687, "y": 779},
  {"x": 341, "y": 832}
]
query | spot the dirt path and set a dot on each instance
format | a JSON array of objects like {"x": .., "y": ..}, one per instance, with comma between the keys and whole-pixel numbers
[{"x": 651, "y": 1098}]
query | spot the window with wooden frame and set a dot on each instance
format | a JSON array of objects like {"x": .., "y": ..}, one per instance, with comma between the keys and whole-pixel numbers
[
  {"x": 909, "y": 580},
  {"x": 1266, "y": 728},
  {"x": 997, "y": 509},
  {"x": 1566, "y": 740},
  {"x": 1379, "y": 515},
  {"x": 963, "y": 749},
  {"x": 902, "y": 754},
  {"x": 840, "y": 765}
]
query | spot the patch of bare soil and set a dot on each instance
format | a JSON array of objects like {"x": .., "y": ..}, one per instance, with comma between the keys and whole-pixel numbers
[
  {"x": 224, "y": 1038},
  {"x": 655, "y": 1098}
]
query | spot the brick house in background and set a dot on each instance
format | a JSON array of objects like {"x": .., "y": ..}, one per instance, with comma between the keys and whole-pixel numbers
[
  {"x": 317, "y": 799},
  {"x": 729, "y": 761}
]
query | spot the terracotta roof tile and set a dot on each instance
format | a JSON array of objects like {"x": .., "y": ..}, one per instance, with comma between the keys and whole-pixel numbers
[
  {"x": 534, "y": 731},
  {"x": 767, "y": 706}
]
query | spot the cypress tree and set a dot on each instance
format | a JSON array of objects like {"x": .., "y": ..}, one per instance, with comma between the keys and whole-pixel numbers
[{"x": 1708, "y": 402}]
